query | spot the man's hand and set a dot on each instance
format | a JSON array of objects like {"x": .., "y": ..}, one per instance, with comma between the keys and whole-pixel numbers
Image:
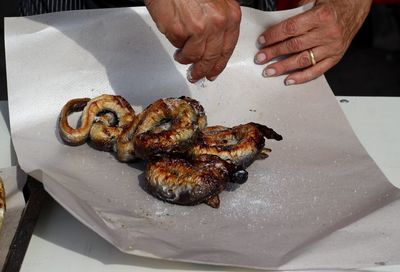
[
  {"x": 204, "y": 31},
  {"x": 327, "y": 30}
]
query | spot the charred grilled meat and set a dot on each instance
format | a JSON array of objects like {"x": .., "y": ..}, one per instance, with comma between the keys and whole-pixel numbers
[
  {"x": 168, "y": 126},
  {"x": 240, "y": 145},
  {"x": 190, "y": 182},
  {"x": 103, "y": 119},
  {"x": 187, "y": 162}
]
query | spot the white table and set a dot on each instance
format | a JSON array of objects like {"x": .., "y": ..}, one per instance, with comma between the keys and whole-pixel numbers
[{"x": 61, "y": 243}]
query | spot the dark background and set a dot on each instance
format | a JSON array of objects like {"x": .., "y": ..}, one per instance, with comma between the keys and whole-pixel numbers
[{"x": 371, "y": 66}]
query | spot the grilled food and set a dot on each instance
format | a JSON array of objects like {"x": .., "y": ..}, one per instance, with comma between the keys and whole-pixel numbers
[
  {"x": 168, "y": 126},
  {"x": 107, "y": 126},
  {"x": 191, "y": 181},
  {"x": 187, "y": 162},
  {"x": 240, "y": 145}
]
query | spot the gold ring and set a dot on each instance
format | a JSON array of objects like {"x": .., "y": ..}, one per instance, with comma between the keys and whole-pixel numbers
[{"x": 312, "y": 57}]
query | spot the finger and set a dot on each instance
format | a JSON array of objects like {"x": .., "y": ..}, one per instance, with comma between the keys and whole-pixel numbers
[
  {"x": 212, "y": 54},
  {"x": 312, "y": 72},
  {"x": 289, "y": 46},
  {"x": 192, "y": 51},
  {"x": 177, "y": 36},
  {"x": 291, "y": 27},
  {"x": 230, "y": 40},
  {"x": 296, "y": 61}
]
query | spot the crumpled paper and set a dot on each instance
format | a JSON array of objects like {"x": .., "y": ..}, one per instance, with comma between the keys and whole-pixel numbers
[{"x": 317, "y": 181}]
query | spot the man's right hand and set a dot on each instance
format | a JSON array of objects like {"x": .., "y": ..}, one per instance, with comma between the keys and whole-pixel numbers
[{"x": 204, "y": 31}]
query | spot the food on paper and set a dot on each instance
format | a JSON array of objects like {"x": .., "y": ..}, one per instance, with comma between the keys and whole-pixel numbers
[
  {"x": 240, "y": 145},
  {"x": 191, "y": 181},
  {"x": 187, "y": 162},
  {"x": 168, "y": 126},
  {"x": 103, "y": 120}
]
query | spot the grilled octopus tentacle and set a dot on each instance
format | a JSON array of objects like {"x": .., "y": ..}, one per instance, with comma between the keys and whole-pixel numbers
[
  {"x": 240, "y": 145},
  {"x": 101, "y": 134},
  {"x": 168, "y": 126},
  {"x": 190, "y": 182}
]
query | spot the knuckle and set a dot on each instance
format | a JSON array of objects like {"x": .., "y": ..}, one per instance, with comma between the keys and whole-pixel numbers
[
  {"x": 198, "y": 28},
  {"x": 269, "y": 35},
  {"x": 282, "y": 67},
  {"x": 226, "y": 53},
  {"x": 303, "y": 60},
  {"x": 319, "y": 70},
  {"x": 294, "y": 44},
  {"x": 234, "y": 5},
  {"x": 310, "y": 76},
  {"x": 307, "y": 75},
  {"x": 326, "y": 13},
  {"x": 176, "y": 31},
  {"x": 334, "y": 32},
  {"x": 209, "y": 58},
  {"x": 218, "y": 68},
  {"x": 273, "y": 52},
  {"x": 197, "y": 73},
  {"x": 289, "y": 27},
  {"x": 236, "y": 16},
  {"x": 189, "y": 58},
  {"x": 272, "y": 35},
  {"x": 219, "y": 20}
]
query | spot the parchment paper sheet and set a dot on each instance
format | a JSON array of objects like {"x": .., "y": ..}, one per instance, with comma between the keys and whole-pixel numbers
[
  {"x": 14, "y": 180},
  {"x": 318, "y": 180}
]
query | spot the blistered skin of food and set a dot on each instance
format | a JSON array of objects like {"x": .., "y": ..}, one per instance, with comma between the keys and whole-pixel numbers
[
  {"x": 168, "y": 126},
  {"x": 190, "y": 182},
  {"x": 240, "y": 145},
  {"x": 202, "y": 118},
  {"x": 105, "y": 131},
  {"x": 103, "y": 134},
  {"x": 125, "y": 147},
  {"x": 187, "y": 162}
]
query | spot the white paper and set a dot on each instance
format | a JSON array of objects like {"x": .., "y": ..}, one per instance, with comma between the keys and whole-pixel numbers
[{"x": 318, "y": 180}]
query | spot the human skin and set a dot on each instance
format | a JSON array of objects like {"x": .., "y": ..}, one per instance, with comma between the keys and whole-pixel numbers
[
  {"x": 327, "y": 29},
  {"x": 205, "y": 32}
]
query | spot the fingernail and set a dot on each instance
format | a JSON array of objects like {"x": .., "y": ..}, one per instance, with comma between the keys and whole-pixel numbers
[
  {"x": 189, "y": 74},
  {"x": 213, "y": 78},
  {"x": 190, "y": 79},
  {"x": 290, "y": 82},
  {"x": 269, "y": 72},
  {"x": 260, "y": 57},
  {"x": 176, "y": 52},
  {"x": 261, "y": 40}
]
